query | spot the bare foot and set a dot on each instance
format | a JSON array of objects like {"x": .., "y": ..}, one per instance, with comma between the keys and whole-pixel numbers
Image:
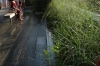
[{"x": 21, "y": 19}]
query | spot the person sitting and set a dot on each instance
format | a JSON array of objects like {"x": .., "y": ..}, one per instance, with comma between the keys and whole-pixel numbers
[{"x": 14, "y": 7}]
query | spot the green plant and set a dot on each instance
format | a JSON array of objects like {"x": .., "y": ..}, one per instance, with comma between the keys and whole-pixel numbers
[{"x": 76, "y": 33}]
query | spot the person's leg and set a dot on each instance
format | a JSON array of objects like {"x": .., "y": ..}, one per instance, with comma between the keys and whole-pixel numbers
[
  {"x": 21, "y": 19},
  {"x": 20, "y": 16}
]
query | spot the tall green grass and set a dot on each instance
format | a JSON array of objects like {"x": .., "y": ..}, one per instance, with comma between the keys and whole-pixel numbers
[
  {"x": 94, "y": 5},
  {"x": 76, "y": 34}
]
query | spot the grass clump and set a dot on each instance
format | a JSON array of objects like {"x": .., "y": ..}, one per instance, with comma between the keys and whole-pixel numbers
[{"x": 76, "y": 34}]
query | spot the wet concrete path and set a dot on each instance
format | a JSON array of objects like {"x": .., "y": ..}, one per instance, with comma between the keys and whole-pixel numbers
[
  {"x": 28, "y": 49},
  {"x": 5, "y": 40},
  {"x": 6, "y": 31}
]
